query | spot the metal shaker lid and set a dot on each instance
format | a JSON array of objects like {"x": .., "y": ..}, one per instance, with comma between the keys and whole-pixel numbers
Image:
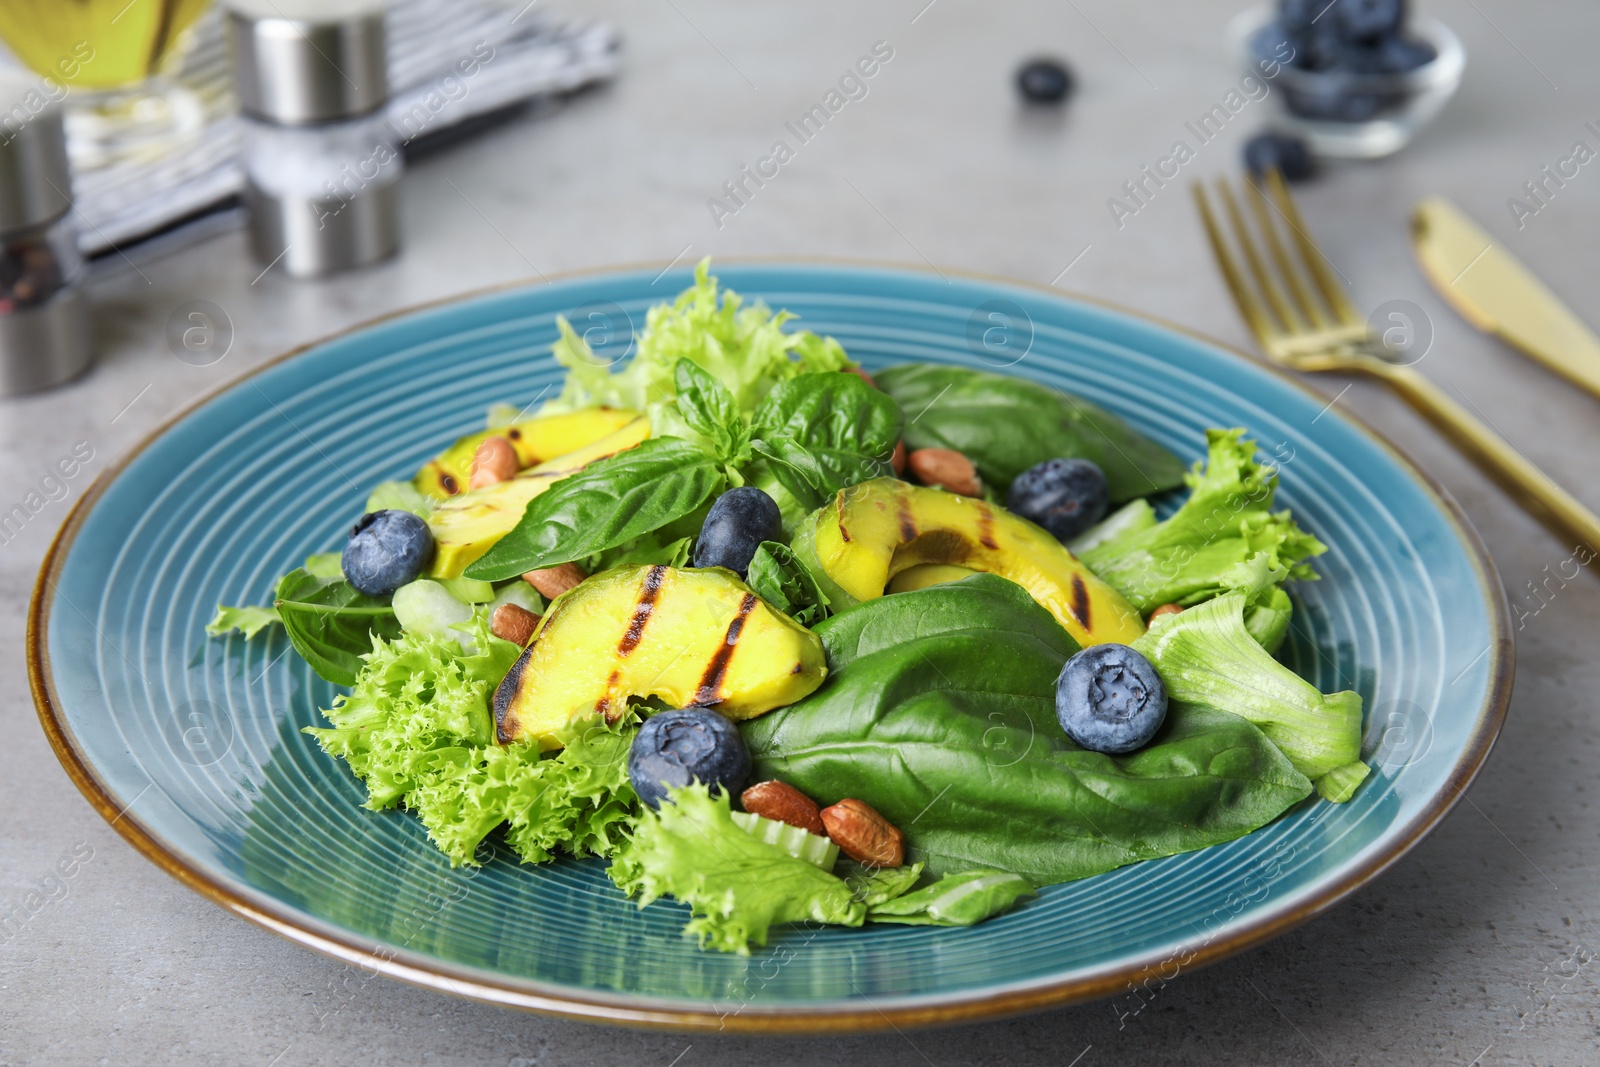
[
  {"x": 35, "y": 179},
  {"x": 306, "y": 61}
]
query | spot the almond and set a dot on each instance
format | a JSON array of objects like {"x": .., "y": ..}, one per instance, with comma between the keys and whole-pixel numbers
[
  {"x": 511, "y": 622},
  {"x": 494, "y": 462},
  {"x": 864, "y": 835},
  {"x": 863, "y": 375},
  {"x": 553, "y": 581},
  {"x": 898, "y": 460},
  {"x": 783, "y": 802},
  {"x": 946, "y": 468},
  {"x": 1164, "y": 610}
]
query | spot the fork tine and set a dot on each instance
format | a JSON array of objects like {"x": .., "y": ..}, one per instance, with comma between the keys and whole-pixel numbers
[
  {"x": 1304, "y": 301},
  {"x": 1255, "y": 316},
  {"x": 1316, "y": 264},
  {"x": 1247, "y": 245}
]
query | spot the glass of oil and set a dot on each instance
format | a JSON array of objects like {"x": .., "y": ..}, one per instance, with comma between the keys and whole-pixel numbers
[{"x": 112, "y": 60}]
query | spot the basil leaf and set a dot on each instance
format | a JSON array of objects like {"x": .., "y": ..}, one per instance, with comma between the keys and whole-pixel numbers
[
  {"x": 606, "y": 504},
  {"x": 797, "y": 470},
  {"x": 939, "y": 711},
  {"x": 1006, "y": 425},
  {"x": 822, "y": 432},
  {"x": 711, "y": 411},
  {"x": 954, "y": 900},
  {"x": 330, "y": 624},
  {"x": 778, "y": 577},
  {"x": 830, "y": 413}
]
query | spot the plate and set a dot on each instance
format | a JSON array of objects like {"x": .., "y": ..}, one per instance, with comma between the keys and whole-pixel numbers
[{"x": 191, "y": 747}]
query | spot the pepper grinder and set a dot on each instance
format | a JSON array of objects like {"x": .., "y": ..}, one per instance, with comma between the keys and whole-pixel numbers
[
  {"x": 322, "y": 161},
  {"x": 46, "y": 336}
]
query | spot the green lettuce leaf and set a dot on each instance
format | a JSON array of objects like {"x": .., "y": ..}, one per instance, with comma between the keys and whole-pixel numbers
[
  {"x": 1205, "y": 656},
  {"x": 743, "y": 346},
  {"x": 737, "y": 886},
  {"x": 954, "y": 900},
  {"x": 878, "y": 885},
  {"x": 249, "y": 621},
  {"x": 1224, "y": 538},
  {"x": 416, "y": 729},
  {"x": 939, "y": 711},
  {"x": 399, "y": 496}
]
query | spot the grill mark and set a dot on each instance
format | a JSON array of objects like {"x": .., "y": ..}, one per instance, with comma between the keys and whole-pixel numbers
[
  {"x": 986, "y": 527},
  {"x": 506, "y": 725},
  {"x": 711, "y": 680},
  {"x": 838, "y": 505},
  {"x": 908, "y": 523},
  {"x": 1080, "y": 601},
  {"x": 603, "y": 705},
  {"x": 643, "y": 609}
]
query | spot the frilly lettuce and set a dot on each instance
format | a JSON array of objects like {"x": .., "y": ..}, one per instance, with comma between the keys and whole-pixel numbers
[
  {"x": 1206, "y": 656},
  {"x": 745, "y": 347},
  {"x": 737, "y": 886},
  {"x": 1224, "y": 538},
  {"x": 416, "y": 729}
]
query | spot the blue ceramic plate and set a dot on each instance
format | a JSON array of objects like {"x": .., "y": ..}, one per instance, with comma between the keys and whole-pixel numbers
[{"x": 192, "y": 746}]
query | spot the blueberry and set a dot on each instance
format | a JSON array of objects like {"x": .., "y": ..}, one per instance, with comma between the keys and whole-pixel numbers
[
  {"x": 1110, "y": 699},
  {"x": 1282, "y": 150},
  {"x": 674, "y": 748},
  {"x": 738, "y": 522},
  {"x": 1065, "y": 496},
  {"x": 1399, "y": 55},
  {"x": 1299, "y": 16},
  {"x": 386, "y": 550},
  {"x": 1338, "y": 102},
  {"x": 1044, "y": 81},
  {"x": 1368, "y": 21}
]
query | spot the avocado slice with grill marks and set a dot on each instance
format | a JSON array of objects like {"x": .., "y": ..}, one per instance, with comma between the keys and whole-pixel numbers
[
  {"x": 866, "y": 537},
  {"x": 688, "y": 637}
]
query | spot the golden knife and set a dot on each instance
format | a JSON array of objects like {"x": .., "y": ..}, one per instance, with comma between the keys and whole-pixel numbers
[{"x": 1493, "y": 290}]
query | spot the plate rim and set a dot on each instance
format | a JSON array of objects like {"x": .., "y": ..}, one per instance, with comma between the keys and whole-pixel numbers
[{"x": 621, "y": 1009}]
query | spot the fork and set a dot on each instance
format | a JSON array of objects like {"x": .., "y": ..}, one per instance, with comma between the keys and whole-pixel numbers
[{"x": 1305, "y": 321}]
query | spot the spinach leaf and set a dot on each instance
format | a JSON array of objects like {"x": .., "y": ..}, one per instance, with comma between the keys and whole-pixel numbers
[
  {"x": 939, "y": 711},
  {"x": 1005, "y": 425},
  {"x": 711, "y": 411},
  {"x": 822, "y": 432},
  {"x": 779, "y": 578},
  {"x": 606, "y": 504},
  {"x": 330, "y": 624}
]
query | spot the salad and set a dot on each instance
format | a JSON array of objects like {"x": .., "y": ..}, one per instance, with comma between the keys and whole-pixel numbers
[{"x": 785, "y": 641}]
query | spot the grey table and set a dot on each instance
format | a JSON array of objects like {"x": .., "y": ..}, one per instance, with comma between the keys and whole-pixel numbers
[{"x": 1476, "y": 949}]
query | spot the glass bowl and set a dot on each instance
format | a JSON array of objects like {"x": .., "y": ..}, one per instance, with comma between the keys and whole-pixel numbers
[{"x": 1348, "y": 115}]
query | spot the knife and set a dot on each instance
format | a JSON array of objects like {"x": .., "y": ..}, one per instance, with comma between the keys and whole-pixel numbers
[{"x": 1494, "y": 292}]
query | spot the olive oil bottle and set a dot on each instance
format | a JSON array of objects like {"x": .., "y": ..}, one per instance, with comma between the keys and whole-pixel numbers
[{"x": 95, "y": 44}]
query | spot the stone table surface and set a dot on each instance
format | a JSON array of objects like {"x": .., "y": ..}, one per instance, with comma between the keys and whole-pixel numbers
[{"x": 1477, "y": 948}]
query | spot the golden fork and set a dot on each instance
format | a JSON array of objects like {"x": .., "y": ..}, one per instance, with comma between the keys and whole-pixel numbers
[{"x": 1306, "y": 321}]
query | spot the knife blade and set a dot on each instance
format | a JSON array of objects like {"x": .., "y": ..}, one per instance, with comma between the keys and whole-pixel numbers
[{"x": 1493, "y": 291}]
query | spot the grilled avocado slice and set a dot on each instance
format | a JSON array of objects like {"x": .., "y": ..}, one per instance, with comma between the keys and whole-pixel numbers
[
  {"x": 465, "y": 527},
  {"x": 863, "y": 539},
  {"x": 535, "y": 441},
  {"x": 688, "y": 637}
]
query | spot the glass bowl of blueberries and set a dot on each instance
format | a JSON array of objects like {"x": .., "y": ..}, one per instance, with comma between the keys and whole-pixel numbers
[{"x": 1356, "y": 78}]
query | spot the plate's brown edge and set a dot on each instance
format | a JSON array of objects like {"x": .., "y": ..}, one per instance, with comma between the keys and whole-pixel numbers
[{"x": 750, "y": 1019}]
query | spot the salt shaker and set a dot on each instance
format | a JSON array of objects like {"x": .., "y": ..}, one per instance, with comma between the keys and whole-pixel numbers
[
  {"x": 323, "y": 162},
  {"x": 46, "y": 335}
]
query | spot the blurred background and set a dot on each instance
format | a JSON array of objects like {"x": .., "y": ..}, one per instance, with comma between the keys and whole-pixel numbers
[{"x": 151, "y": 259}]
